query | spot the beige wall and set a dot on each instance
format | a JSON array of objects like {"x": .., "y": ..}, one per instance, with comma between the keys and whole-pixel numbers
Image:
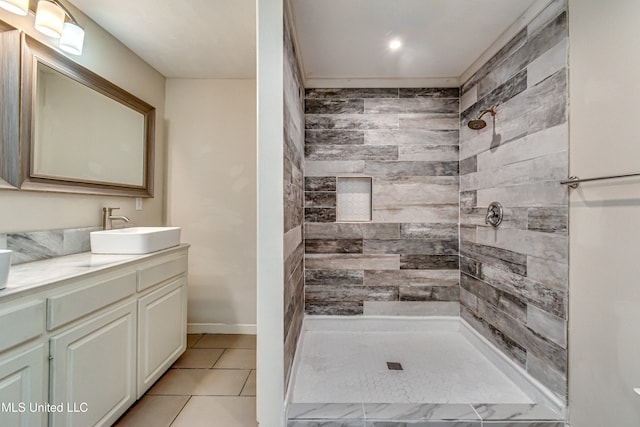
[
  {"x": 604, "y": 312},
  {"x": 211, "y": 129},
  {"x": 106, "y": 56}
]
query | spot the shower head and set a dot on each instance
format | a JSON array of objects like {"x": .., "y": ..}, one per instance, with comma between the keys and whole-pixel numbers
[{"x": 477, "y": 124}]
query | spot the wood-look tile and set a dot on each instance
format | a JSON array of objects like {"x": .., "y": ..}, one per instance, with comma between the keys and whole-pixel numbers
[
  {"x": 319, "y": 214},
  {"x": 333, "y": 106},
  {"x": 449, "y": 137},
  {"x": 333, "y": 246},
  {"x": 350, "y": 93},
  {"x": 417, "y": 105},
  {"x": 333, "y": 293},
  {"x": 350, "y": 152},
  {"x": 334, "y": 308},
  {"x": 411, "y": 247},
  {"x": 409, "y": 168},
  {"x": 334, "y": 277},
  {"x": 428, "y": 262},
  {"x": 320, "y": 199},
  {"x": 429, "y": 293},
  {"x": 351, "y": 121},
  {"x": 320, "y": 183},
  {"x": 443, "y": 92},
  {"x": 333, "y": 137}
]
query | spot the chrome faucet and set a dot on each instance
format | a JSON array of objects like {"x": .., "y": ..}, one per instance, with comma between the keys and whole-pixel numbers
[{"x": 107, "y": 218}]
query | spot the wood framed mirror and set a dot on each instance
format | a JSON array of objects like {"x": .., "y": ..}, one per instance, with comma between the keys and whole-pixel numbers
[
  {"x": 9, "y": 106},
  {"x": 81, "y": 133}
]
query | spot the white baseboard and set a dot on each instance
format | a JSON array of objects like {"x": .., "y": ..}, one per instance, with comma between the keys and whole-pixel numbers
[{"x": 221, "y": 328}]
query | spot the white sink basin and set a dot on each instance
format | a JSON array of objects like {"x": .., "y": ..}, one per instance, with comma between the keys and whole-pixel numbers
[{"x": 134, "y": 240}]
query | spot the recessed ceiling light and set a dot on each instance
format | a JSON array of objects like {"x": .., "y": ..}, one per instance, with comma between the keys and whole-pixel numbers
[{"x": 395, "y": 44}]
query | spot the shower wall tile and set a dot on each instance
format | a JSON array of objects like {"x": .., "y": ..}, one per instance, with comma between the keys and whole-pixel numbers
[
  {"x": 334, "y": 137},
  {"x": 351, "y": 93},
  {"x": 411, "y": 105},
  {"x": 320, "y": 199},
  {"x": 412, "y": 277},
  {"x": 350, "y": 152},
  {"x": 411, "y": 247},
  {"x": 323, "y": 183},
  {"x": 429, "y": 262},
  {"x": 336, "y": 277},
  {"x": 514, "y": 278},
  {"x": 351, "y": 230},
  {"x": 505, "y": 52},
  {"x": 333, "y": 106},
  {"x": 407, "y": 141},
  {"x": 547, "y": 64},
  {"x": 549, "y": 273},
  {"x": 327, "y": 246},
  {"x": 319, "y": 214},
  {"x": 351, "y": 121},
  {"x": 405, "y": 168},
  {"x": 351, "y": 262},
  {"x": 405, "y": 212},
  {"x": 429, "y": 92},
  {"x": 547, "y": 324},
  {"x": 336, "y": 167},
  {"x": 411, "y": 308},
  {"x": 294, "y": 202},
  {"x": 421, "y": 152},
  {"x": 402, "y": 137}
]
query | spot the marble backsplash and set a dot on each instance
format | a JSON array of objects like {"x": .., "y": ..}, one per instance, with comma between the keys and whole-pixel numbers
[{"x": 37, "y": 245}]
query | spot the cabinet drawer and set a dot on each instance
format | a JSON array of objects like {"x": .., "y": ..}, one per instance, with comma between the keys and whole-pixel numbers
[
  {"x": 160, "y": 272},
  {"x": 21, "y": 323},
  {"x": 64, "y": 308}
]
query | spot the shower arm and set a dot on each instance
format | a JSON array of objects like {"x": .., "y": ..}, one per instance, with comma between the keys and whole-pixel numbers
[{"x": 491, "y": 110}]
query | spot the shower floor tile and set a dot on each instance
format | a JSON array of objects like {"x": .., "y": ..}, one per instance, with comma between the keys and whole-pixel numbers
[{"x": 438, "y": 367}]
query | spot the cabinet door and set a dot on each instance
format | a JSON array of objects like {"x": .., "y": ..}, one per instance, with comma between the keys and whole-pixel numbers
[
  {"x": 93, "y": 369},
  {"x": 162, "y": 333},
  {"x": 23, "y": 386}
]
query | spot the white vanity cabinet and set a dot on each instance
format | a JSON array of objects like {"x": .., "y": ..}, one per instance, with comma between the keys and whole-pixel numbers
[
  {"x": 89, "y": 346},
  {"x": 23, "y": 364}
]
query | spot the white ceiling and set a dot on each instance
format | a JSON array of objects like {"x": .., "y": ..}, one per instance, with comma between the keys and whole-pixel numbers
[
  {"x": 337, "y": 39},
  {"x": 349, "y": 39},
  {"x": 183, "y": 38}
]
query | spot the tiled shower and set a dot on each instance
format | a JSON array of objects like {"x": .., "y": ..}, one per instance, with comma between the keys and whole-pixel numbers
[{"x": 427, "y": 248}]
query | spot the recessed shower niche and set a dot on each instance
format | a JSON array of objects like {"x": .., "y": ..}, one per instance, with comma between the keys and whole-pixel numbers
[{"x": 353, "y": 199}]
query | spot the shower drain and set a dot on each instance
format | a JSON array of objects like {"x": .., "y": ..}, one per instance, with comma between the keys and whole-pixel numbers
[{"x": 394, "y": 366}]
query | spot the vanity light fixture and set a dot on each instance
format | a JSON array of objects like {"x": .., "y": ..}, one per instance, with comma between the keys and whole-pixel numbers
[
  {"x": 54, "y": 20},
  {"x": 19, "y": 7}
]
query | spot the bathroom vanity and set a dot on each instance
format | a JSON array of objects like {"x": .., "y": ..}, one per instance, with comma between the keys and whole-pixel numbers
[{"x": 84, "y": 336}]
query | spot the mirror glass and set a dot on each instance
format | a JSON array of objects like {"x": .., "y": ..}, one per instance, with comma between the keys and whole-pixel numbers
[
  {"x": 82, "y": 135},
  {"x": 80, "y": 132}
]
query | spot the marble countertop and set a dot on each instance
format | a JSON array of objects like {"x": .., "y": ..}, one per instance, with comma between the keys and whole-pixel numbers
[{"x": 31, "y": 275}]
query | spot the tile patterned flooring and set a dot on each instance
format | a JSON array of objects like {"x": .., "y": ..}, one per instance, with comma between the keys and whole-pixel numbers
[{"x": 213, "y": 384}]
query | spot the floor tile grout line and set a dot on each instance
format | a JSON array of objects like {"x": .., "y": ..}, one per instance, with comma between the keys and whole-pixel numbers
[
  {"x": 245, "y": 383},
  {"x": 219, "y": 357},
  {"x": 180, "y": 411}
]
